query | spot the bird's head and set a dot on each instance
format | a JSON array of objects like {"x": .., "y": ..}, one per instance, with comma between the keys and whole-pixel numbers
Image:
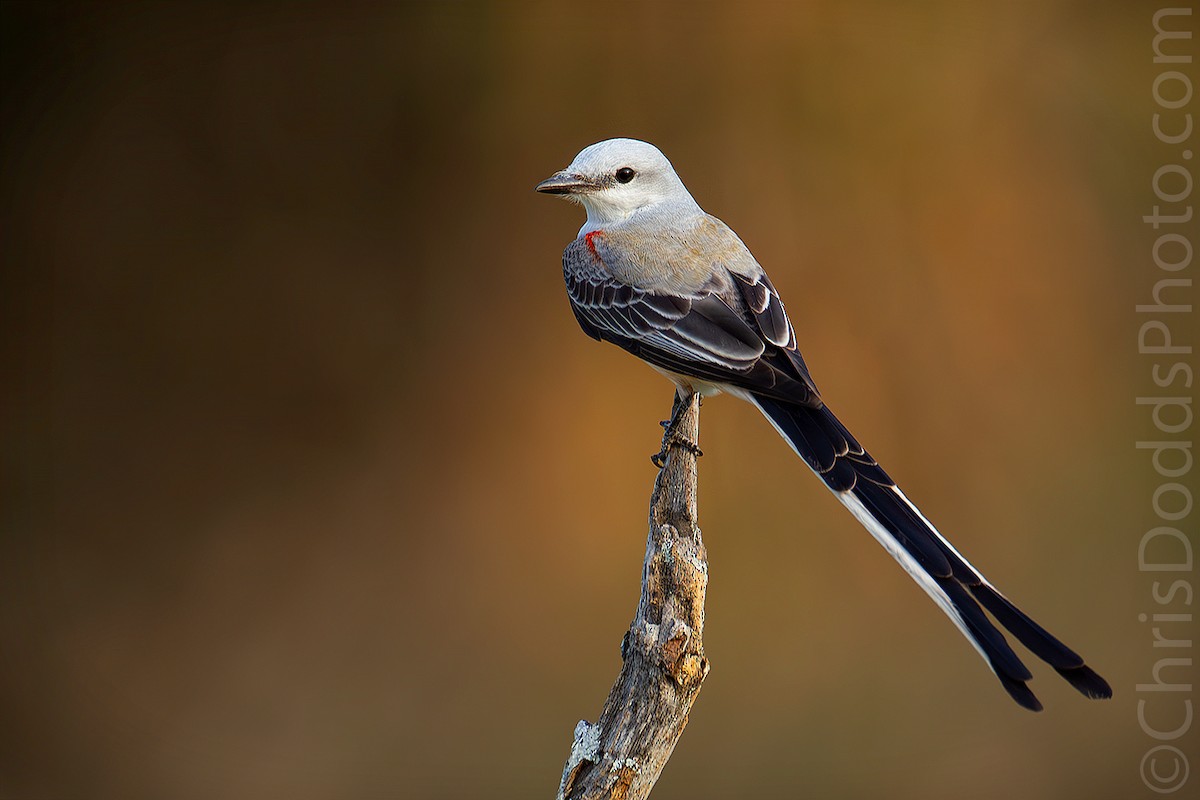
[{"x": 616, "y": 178}]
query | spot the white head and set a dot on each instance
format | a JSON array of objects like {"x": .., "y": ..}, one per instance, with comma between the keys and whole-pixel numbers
[{"x": 618, "y": 178}]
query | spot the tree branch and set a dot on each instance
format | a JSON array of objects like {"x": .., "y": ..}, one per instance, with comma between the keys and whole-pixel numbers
[{"x": 622, "y": 755}]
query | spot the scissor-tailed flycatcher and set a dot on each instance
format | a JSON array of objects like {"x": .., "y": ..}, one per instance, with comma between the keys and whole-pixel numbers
[{"x": 655, "y": 275}]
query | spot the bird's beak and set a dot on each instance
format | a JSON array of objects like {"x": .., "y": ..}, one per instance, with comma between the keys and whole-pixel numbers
[{"x": 563, "y": 182}]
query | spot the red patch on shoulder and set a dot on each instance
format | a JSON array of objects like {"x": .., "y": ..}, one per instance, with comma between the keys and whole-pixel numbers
[{"x": 587, "y": 239}]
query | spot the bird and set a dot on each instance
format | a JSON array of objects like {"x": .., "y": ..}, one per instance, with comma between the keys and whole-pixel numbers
[{"x": 651, "y": 272}]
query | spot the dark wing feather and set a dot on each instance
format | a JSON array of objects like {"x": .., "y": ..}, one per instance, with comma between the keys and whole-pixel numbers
[
  {"x": 712, "y": 333},
  {"x": 734, "y": 330},
  {"x": 763, "y": 302}
]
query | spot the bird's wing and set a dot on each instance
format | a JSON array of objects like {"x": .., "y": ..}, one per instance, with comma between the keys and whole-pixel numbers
[{"x": 732, "y": 328}]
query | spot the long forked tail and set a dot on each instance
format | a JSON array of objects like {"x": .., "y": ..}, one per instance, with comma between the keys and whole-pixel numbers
[{"x": 958, "y": 588}]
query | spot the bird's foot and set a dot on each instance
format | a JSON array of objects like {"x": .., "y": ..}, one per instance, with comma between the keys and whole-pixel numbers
[{"x": 671, "y": 437}]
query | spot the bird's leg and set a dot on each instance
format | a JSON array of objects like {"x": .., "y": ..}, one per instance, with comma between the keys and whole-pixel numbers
[
  {"x": 659, "y": 459},
  {"x": 671, "y": 437}
]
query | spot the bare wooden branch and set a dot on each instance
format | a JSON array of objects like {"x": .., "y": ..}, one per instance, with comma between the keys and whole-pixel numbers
[{"x": 622, "y": 755}]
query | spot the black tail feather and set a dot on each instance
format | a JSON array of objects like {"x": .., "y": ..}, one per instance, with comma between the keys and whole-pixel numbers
[
  {"x": 1088, "y": 683},
  {"x": 999, "y": 654},
  {"x": 850, "y": 472},
  {"x": 1019, "y": 691},
  {"x": 1028, "y": 632}
]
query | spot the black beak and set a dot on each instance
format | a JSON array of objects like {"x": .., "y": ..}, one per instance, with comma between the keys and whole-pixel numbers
[{"x": 564, "y": 182}]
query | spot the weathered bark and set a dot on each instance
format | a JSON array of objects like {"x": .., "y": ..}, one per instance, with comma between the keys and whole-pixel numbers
[{"x": 622, "y": 755}]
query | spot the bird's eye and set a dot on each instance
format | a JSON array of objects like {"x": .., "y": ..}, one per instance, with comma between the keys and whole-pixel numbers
[{"x": 625, "y": 174}]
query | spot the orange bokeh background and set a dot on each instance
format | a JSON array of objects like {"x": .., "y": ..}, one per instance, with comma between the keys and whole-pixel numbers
[{"x": 316, "y": 490}]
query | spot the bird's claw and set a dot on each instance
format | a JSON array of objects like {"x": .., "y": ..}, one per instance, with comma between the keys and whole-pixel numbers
[{"x": 673, "y": 439}]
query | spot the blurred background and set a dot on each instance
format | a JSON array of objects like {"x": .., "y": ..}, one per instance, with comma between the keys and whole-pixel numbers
[{"x": 313, "y": 488}]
